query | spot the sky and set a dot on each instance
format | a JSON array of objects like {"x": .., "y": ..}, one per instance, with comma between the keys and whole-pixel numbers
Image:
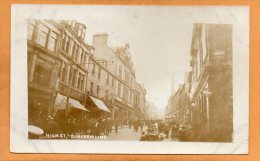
[{"x": 159, "y": 38}]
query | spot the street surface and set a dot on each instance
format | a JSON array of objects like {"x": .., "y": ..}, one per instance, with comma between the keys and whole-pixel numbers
[{"x": 124, "y": 133}]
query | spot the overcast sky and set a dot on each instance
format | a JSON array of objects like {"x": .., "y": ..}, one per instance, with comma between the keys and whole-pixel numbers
[{"x": 159, "y": 37}]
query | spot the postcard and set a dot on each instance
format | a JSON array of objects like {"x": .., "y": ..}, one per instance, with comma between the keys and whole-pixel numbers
[{"x": 129, "y": 79}]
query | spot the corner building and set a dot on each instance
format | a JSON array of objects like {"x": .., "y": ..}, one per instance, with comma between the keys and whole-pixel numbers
[
  {"x": 212, "y": 87},
  {"x": 57, "y": 69}
]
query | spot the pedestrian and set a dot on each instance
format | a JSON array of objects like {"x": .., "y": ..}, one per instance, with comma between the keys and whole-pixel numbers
[
  {"x": 116, "y": 125},
  {"x": 183, "y": 133},
  {"x": 136, "y": 125},
  {"x": 141, "y": 124},
  {"x": 97, "y": 129}
]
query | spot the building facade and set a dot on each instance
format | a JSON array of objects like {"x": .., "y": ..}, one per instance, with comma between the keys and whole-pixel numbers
[
  {"x": 57, "y": 68},
  {"x": 129, "y": 97},
  {"x": 76, "y": 80},
  {"x": 179, "y": 106},
  {"x": 211, "y": 91},
  {"x": 64, "y": 78}
]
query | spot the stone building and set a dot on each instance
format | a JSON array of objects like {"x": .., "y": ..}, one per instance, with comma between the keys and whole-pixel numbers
[
  {"x": 70, "y": 79},
  {"x": 127, "y": 93},
  {"x": 57, "y": 68},
  {"x": 211, "y": 90}
]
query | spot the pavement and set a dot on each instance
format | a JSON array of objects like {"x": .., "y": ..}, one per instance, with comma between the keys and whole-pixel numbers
[{"x": 124, "y": 133}]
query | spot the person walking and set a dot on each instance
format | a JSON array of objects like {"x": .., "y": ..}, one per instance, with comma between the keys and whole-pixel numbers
[{"x": 116, "y": 125}]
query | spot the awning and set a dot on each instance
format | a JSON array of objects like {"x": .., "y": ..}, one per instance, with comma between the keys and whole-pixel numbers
[
  {"x": 142, "y": 111},
  {"x": 98, "y": 104},
  {"x": 77, "y": 104},
  {"x": 60, "y": 102}
]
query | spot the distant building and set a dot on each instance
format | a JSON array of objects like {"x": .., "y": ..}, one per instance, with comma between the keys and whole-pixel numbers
[
  {"x": 178, "y": 108},
  {"x": 211, "y": 91},
  {"x": 153, "y": 111},
  {"x": 140, "y": 106}
]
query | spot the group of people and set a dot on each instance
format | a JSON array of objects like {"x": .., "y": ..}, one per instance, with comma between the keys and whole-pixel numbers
[
  {"x": 159, "y": 130},
  {"x": 96, "y": 126},
  {"x": 100, "y": 126},
  {"x": 136, "y": 124},
  {"x": 175, "y": 131}
]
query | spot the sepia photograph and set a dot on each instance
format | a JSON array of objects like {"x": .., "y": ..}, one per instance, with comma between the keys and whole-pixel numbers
[
  {"x": 135, "y": 73},
  {"x": 78, "y": 90}
]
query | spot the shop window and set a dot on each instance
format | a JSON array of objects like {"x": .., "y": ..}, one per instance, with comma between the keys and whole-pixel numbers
[
  {"x": 42, "y": 35},
  {"x": 42, "y": 74}
]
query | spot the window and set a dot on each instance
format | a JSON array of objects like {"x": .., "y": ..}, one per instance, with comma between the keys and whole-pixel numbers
[
  {"x": 83, "y": 33},
  {"x": 131, "y": 97},
  {"x": 75, "y": 52},
  {"x": 79, "y": 55},
  {"x": 107, "y": 78},
  {"x": 112, "y": 96},
  {"x": 83, "y": 57},
  {"x": 64, "y": 41},
  {"x": 119, "y": 89},
  {"x": 127, "y": 77},
  {"x": 42, "y": 73},
  {"x": 42, "y": 35},
  {"x": 67, "y": 44},
  {"x": 91, "y": 88},
  {"x": 80, "y": 30},
  {"x": 74, "y": 79},
  {"x": 120, "y": 71},
  {"x": 63, "y": 72},
  {"x": 73, "y": 24},
  {"x": 82, "y": 83},
  {"x": 97, "y": 90},
  {"x": 79, "y": 81},
  {"x": 30, "y": 29},
  {"x": 93, "y": 69},
  {"x": 52, "y": 41},
  {"x": 113, "y": 81},
  {"x": 106, "y": 94},
  {"x": 99, "y": 73}
]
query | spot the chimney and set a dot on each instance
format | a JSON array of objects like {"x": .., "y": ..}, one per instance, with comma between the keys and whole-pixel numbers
[{"x": 99, "y": 40}]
